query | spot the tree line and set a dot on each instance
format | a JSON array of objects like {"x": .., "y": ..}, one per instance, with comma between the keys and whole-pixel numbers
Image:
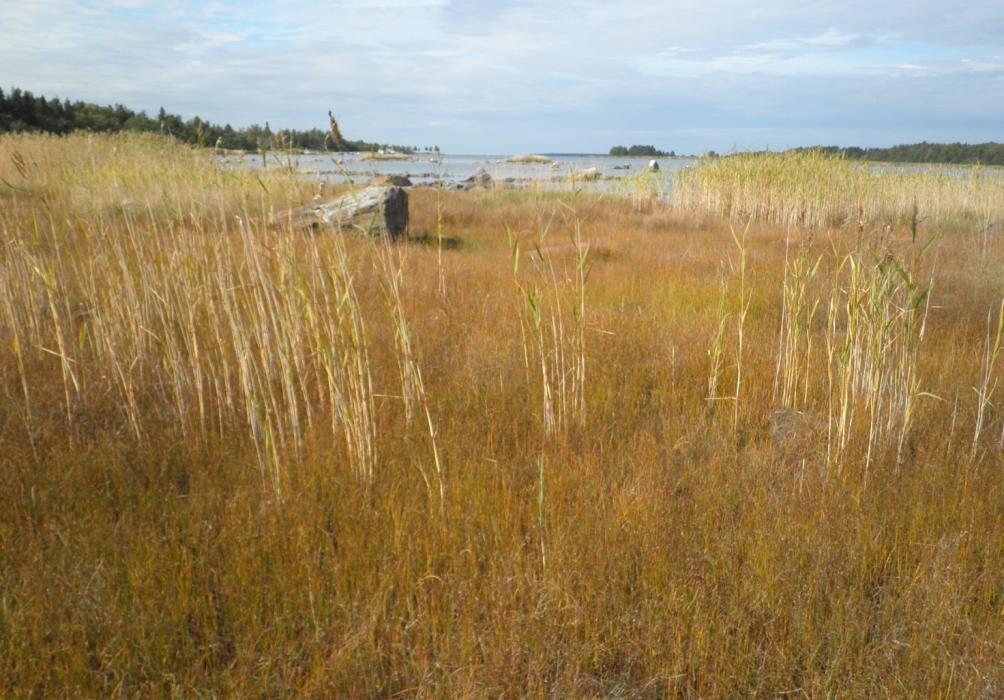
[
  {"x": 637, "y": 150},
  {"x": 961, "y": 153},
  {"x": 20, "y": 110}
]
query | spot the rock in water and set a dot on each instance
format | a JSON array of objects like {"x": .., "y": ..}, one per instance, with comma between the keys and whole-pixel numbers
[
  {"x": 373, "y": 210},
  {"x": 480, "y": 178},
  {"x": 653, "y": 165}
]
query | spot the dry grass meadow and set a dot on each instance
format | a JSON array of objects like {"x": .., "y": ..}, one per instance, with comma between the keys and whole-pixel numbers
[{"x": 748, "y": 445}]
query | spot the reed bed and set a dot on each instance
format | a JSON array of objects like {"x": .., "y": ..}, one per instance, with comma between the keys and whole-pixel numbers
[
  {"x": 812, "y": 189},
  {"x": 168, "y": 303},
  {"x": 601, "y": 449}
]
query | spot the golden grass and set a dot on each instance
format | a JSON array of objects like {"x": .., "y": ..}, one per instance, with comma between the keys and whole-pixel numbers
[
  {"x": 240, "y": 460},
  {"x": 813, "y": 189}
]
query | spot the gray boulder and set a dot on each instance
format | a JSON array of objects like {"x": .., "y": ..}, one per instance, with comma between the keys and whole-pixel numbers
[{"x": 480, "y": 178}]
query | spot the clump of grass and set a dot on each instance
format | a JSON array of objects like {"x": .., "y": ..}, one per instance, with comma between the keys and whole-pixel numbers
[
  {"x": 644, "y": 188},
  {"x": 745, "y": 299},
  {"x": 191, "y": 298},
  {"x": 555, "y": 318},
  {"x": 876, "y": 322},
  {"x": 414, "y": 395},
  {"x": 987, "y": 381},
  {"x": 792, "y": 378},
  {"x": 716, "y": 349}
]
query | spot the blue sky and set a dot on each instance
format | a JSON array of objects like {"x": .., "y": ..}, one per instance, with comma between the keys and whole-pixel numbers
[{"x": 526, "y": 75}]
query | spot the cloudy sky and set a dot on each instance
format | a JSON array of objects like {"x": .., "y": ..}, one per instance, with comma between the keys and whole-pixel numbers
[{"x": 531, "y": 75}]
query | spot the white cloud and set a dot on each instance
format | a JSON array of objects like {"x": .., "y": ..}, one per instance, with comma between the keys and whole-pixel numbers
[
  {"x": 830, "y": 39},
  {"x": 522, "y": 74}
]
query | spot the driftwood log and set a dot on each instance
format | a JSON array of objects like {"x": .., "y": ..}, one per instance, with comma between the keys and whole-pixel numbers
[{"x": 376, "y": 210}]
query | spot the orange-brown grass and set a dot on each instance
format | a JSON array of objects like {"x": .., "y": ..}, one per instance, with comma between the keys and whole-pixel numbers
[{"x": 242, "y": 460}]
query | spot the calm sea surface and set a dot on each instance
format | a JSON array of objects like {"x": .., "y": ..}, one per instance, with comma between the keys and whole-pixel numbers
[
  {"x": 622, "y": 175},
  {"x": 616, "y": 173}
]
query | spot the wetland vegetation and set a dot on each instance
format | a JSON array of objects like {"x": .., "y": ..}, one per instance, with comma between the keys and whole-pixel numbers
[{"x": 746, "y": 443}]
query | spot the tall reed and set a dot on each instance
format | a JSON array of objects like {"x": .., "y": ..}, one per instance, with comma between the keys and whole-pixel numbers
[
  {"x": 792, "y": 377},
  {"x": 813, "y": 189},
  {"x": 987, "y": 381},
  {"x": 163, "y": 301},
  {"x": 554, "y": 314},
  {"x": 414, "y": 396},
  {"x": 876, "y": 321}
]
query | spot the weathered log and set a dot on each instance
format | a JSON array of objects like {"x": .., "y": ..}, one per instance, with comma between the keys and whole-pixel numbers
[
  {"x": 373, "y": 210},
  {"x": 391, "y": 180}
]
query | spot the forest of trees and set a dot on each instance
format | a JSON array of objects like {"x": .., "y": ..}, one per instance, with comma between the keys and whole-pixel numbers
[
  {"x": 20, "y": 110},
  {"x": 983, "y": 153},
  {"x": 637, "y": 150}
]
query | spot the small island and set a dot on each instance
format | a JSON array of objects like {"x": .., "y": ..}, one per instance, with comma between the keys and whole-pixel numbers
[
  {"x": 641, "y": 151},
  {"x": 532, "y": 158}
]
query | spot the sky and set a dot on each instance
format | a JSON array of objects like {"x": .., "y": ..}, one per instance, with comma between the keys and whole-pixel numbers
[{"x": 475, "y": 76}]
